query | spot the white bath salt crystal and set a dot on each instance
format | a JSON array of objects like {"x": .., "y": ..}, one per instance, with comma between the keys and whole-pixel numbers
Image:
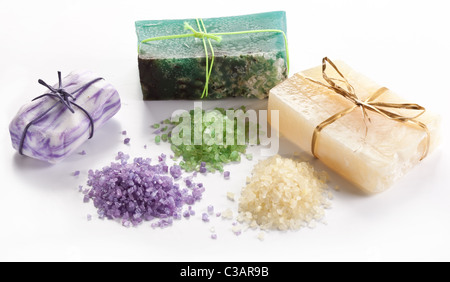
[
  {"x": 212, "y": 230},
  {"x": 230, "y": 196},
  {"x": 227, "y": 214},
  {"x": 312, "y": 225},
  {"x": 284, "y": 194},
  {"x": 337, "y": 188},
  {"x": 236, "y": 229}
]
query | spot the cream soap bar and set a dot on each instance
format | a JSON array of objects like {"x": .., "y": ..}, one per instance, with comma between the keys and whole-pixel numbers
[{"x": 371, "y": 152}]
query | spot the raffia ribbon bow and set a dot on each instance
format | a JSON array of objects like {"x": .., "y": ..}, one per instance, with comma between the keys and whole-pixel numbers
[{"x": 369, "y": 104}]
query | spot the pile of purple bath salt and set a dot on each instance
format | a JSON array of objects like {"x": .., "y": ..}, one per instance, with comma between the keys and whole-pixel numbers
[{"x": 138, "y": 191}]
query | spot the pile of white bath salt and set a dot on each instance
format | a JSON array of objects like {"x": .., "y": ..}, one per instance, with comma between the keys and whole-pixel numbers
[{"x": 284, "y": 194}]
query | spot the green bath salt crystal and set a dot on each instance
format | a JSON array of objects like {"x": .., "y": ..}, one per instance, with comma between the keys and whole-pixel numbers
[{"x": 246, "y": 64}]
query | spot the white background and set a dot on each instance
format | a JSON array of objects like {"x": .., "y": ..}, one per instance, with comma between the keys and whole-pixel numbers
[{"x": 401, "y": 44}]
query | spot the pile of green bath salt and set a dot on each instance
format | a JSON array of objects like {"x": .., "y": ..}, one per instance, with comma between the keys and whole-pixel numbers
[{"x": 208, "y": 140}]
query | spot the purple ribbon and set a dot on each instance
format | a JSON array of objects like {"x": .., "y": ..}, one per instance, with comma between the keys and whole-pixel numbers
[{"x": 63, "y": 97}]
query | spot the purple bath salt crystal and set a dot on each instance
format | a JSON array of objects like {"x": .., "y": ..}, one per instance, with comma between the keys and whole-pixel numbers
[
  {"x": 124, "y": 132},
  {"x": 76, "y": 173},
  {"x": 210, "y": 210},
  {"x": 89, "y": 217},
  {"x": 202, "y": 169},
  {"x": 145, "y": 146},
  {"x": 162, "y": 158},
  {"x": 226, "y": 174},
  {"x": 165, "y": 223},
  {"x": 126, "y": 141},
  {"x": 197, "y": 193},
  {"x": 86, "y": 198},
  {"x": 219, "y": 214},
  {"x": 205, "y": 217},
  {"x": 80, "y": 188},
  {"x": 62, "y": 130},
  {"x": 176, "y": 216},
  {"x": 175, "y": 171},
  {"x": 187, "y": 214},
  {"x": 189, "y": 200},
  {"x": 82, "y": 153},
  {"x": 214, "y": 236},
  {"x": 122, "y": 157},
  {"x": 191, "y": 211}
]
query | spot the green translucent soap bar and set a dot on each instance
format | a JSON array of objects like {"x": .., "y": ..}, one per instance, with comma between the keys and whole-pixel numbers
[{"x": 245, "y": 65}]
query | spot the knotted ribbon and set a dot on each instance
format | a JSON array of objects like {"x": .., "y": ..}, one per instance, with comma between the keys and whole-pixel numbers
[
  {"x": 62, "y": 97},
  {"x": 369, "y": 104},
  {"x": 207, "y": 37}
]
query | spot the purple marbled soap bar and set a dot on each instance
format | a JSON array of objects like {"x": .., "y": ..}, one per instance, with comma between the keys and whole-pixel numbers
[{"x": 60, "y": 132}]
